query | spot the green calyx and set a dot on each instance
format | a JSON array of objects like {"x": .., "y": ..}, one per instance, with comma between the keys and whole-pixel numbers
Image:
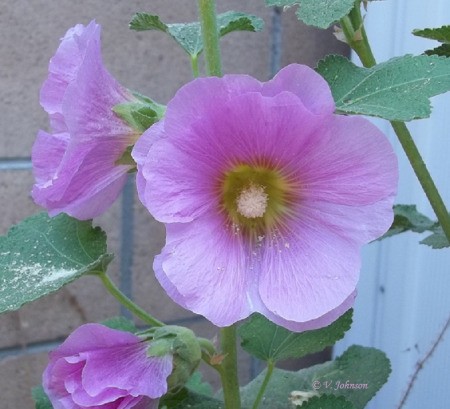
[
  {"x": 141, "y": 113},
  {"x": 182, "y": 344},
  {"x": 255, "y": 198}
]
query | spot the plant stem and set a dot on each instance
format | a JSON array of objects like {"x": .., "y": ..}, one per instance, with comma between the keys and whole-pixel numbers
[
  {"x": 208, "y": 22},
  {"x": 126, "y": 302},
  {"x": 229, "y": 375},
  {"x": 228, "y": 367},
  {"x": 359, "y": 43},
  {"x": 270, "y": 368},
  {"x": 423, "y": 175},
  {"x": 194, "y": 65},
  {"x": 421, "y": 362}
]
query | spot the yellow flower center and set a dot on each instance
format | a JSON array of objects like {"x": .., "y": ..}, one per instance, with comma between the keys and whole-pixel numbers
[{"x": 255, "y": 198}]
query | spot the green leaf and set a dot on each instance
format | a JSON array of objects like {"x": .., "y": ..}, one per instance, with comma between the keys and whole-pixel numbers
[
  {"x": 442, "y": 51},
  {"x": 441, "y": 34},
  {"x": 189, "y": 35},
  {"x": 281, "y": 3},
  {"x": 327, "y": 402},
  {"x": 41, "y": 254},
  {"x": 323, "y": 13},
  {"x": 397, "y": 90},
  {"x": 197, "y": 385},
  {"x": 120, "y": 323},
  {"x": 317, "y": 13},
  {"x": 360, "y": 370},
  {"x": 40, "y": 398},
  {"x": 189, "y": 399},
  {"x": 407, "y": 218},
  {"x": 437, "y": 240},
  {"x": 144, "y": 21},
  {"x": 267, "y": 341}
]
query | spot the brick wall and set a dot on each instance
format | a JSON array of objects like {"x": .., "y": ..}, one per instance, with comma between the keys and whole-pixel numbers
[{"x": 151, "y": 63}]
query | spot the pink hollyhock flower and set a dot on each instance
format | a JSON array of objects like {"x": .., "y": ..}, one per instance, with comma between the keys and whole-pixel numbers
[
  {"x": 99, "y": 367},
  {"x": 267, "y": 197},
  {"x": 75, "y": 166}
]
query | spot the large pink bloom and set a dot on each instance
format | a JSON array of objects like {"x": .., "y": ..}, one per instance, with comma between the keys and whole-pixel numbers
[
  {"x": 267, "y": 197},
  {"x": 75, "y": 166},
  {"x": 98, "y": 367}
]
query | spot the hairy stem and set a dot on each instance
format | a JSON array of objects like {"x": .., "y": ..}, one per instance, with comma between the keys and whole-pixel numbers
[
  {"x": 353, "y": 28},
  {"x": 208, "y": 22},
  {"x": 127, "y": 303},
  {"x": 229, "y": 374},
  {"x": 194, "y": 65}
]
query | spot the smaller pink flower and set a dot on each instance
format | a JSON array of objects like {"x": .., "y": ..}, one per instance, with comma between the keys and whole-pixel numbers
[
  {"x": 75, "y": 166},
  {"x": 99, "y": 367}
]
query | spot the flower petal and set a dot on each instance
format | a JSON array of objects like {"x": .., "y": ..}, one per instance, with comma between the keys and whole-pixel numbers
[
  {"x": 316, "y": 264},
  {"x": 350, "y": 162},
  {"x": 93, "y": 336},
  {"x": 216, "y": 284},
  {"x": 306, "y": 84},
  {"x": 127, "y": 368},
  {"x": 204, "y": 95},
  {"x": 63, "y": 66}
]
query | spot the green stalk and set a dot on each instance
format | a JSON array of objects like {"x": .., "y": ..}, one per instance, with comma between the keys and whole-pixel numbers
[
  {"x": 353, "y": 28},
  {"x": 229, "y": 367},
  {"x": 229, "y": 374},
  {"x": 127, "y": 303},
  {"x": 194, "y": 65},
  {"x": 262, "y": 389},
  {"x": 208, "y": 22}
]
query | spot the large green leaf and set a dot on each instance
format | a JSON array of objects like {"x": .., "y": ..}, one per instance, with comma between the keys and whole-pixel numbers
[
  {"x": 398, "y": 89},
  {"x": 186, "y": 398},
  {"x": 189, "y": 35},
  {"x": 323, "y": 13},
  {"x": 327, "y": 402},
  {"x": 41, "y": 254},
  {"x": 281, "y": 3},
  {"x": 357, "y": 375},
  {"x": 267, "y": 341},
  {"x": 317, "y": 13}
]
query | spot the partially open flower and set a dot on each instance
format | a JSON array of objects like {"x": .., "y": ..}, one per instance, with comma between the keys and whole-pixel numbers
[
  {"x": 75, "y": 166},
  {"x": 267, "y": 197},
  {"x": 99, "y": 367}
]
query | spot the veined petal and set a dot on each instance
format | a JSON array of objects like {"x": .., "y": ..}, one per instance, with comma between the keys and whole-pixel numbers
[
  {"x": 81, "y": 176},
  {"x": 214, "y": 283},
  {"x": 350, "y": 162},
  {"x": 311, "y": 88},
  {"x": 63, "y": 69},
  {"x": 143, "y": 376},
  {"x": 46, "y": 155}
]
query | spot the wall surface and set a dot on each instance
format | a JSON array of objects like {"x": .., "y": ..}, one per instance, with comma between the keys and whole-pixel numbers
[
  {"x": 148, "y": 62},
  {"x": 403, "y": 301}
]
